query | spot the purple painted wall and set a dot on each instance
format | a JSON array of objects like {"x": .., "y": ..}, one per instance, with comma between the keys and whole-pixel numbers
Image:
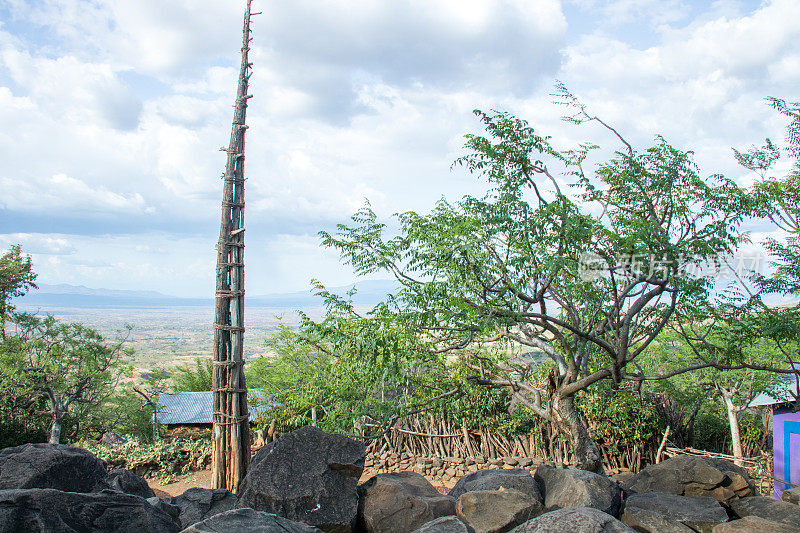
[{"x": 786, "y": 445}]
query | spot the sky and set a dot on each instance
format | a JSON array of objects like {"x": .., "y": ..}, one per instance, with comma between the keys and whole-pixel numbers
[{"x": 112, "y": 113}]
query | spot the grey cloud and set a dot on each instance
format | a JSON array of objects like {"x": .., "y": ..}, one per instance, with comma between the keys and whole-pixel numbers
[
  {"x": 120, "y": 107},
  {"x": 324, "y": 52}
]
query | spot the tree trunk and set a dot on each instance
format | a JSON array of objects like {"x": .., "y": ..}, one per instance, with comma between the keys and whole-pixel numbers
[
  {"x": 568, "y": 420},
  {"x": 55, "y": 428},
  {"x": 733, "y": 420}
]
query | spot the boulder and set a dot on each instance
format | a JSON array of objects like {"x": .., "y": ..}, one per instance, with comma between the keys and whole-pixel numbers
[
  {"x": 568, "y": 487},
  {"x": 651, "y": 522},
  {"x": 307, "y": 475},
  {"x": 687, "y": 475},
  {"x": 791, "y": 495},
  {"x": 400, "y": 502},
  {"x": 754, "y": 524},
  {"x": 197, "y": 504},
  {"x": 769, "y": 509},
  {"x": 493, "y": 479},
  {"x": 247, "y": 520},
  {"x": 50, "y": 466},
  {"x": 445, "y": 524},
  {"x": 657, "y": 512},
  {"x": 123, "y": 480},
  {"x": 574, "y": 520},
  {"x": 496, "y": 511},
  {"x": 50, "y": 510},
  {"x": 173, "y": 511}
]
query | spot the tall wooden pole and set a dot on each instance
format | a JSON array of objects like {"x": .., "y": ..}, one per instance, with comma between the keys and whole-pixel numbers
[{"x": 231, "y": 432}]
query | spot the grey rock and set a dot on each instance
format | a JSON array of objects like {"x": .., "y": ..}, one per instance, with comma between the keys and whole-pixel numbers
[
  {"x": 791, "y": 495},
  {"x": 754, "y": 524},
  {"x": 492, "y": 479},
  {"x": 247, "y": 520},
  {"x": 197, "y": 504},
  {"x": 769, "y": 509},
  {"x": 399, "y": 502},
  {"x": 54, "y": 511},
  {"x": 50, "y": 466},
  {"x": 496, "y": 511},
  {"x": 574, "y": 520},
  {"x": 652, "y": 522},
  {"x": 687, "y": 475},
  {"x": 621, "y": 477},
  {"x": 568, "y": 487},
  {"x": 445, "y": 524},
  {"x": 173, "y": 511},
  {"x": 307, "y": 475},
  {"x": 659, "y": 512},
  {"x": 123, "y": 480}
]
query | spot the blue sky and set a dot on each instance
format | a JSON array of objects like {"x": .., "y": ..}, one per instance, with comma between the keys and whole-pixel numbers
[{"x": 112, "y": 113}]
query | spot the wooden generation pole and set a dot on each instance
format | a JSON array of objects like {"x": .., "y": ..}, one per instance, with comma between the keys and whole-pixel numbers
[{"x": 231, "y": 432}]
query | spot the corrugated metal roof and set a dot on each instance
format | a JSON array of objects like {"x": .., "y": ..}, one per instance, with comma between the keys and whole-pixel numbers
[
  {"x": 783, "y": 392},
  {"x": 197, "y": 407}
]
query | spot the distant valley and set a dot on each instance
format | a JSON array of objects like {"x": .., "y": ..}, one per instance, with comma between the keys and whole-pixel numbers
[{"x": 169, "y": 331}]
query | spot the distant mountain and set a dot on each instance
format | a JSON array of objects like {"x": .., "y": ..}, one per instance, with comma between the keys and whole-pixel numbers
[
  {"x": 63, "y": 288},
  {"x": 77, "y": 296}
]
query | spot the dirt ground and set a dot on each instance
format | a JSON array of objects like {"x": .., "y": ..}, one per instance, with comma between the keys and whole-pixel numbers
[{"x": 202, "y": 478}]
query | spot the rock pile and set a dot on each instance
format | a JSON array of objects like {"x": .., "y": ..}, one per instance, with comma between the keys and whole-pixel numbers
[
  {"x": 687, "y": 475},
  {"x": 51, "y": 487},
  {"x": 307, "y": 481}
]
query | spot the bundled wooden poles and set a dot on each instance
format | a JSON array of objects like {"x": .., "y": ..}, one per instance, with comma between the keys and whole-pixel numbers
[{"x": 231, "y": 432}]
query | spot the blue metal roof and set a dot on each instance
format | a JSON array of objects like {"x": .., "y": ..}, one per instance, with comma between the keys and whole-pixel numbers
[
  {"x": 197, "y": 407},
  {"x": 784, "y": 391}
]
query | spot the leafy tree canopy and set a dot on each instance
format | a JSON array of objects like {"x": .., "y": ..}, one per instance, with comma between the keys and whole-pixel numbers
[
  {"x": 587, "y": 267},
  {"x": 67, "y": 366},
  {"x": 16, "y": 279}
]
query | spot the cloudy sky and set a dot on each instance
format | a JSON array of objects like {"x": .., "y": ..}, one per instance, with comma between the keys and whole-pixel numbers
[{"x": 112, "y": 113}]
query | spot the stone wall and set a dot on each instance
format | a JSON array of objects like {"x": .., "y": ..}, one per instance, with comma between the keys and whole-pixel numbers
[{"x": 442, "y": 470}]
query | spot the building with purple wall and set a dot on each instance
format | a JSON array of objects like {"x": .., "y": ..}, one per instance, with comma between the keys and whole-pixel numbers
[{"x": 785, "y": 435}]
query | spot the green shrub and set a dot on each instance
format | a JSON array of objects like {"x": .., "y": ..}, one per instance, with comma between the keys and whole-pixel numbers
[{"x": 163, "y": 460}]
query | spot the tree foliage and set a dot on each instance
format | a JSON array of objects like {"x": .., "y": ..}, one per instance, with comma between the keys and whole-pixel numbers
[
  {"x": 585, "y": 266},
  {"x": 69, "y": 367},
  {"x": 193, "y": 378},
  {"x": 16, "y": 279}
]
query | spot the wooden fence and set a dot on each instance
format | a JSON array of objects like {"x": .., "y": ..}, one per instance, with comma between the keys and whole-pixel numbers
[{"x": 429, "y": 437}]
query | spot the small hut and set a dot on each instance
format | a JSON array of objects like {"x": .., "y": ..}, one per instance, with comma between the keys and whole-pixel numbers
[
  {"x": 785, "y": 433},
  {"x": 195, "y": 409}
]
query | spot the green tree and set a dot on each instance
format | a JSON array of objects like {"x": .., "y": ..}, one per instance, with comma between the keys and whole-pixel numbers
[
  {"x": 308, "y": 381},
  {"x": 589, "y": 278},
  {"x": 16, "y": 278},
  {"x": 187, "y": 378},
  {"x": 130, "y": 411},
  {"x": 778, "y": 200},
  {"x": 732, "y": 362},
  {"x": 66, "y": 366},
  {"x": 736, "y": 344}
]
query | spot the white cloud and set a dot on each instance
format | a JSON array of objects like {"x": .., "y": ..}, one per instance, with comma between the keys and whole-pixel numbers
[
  {"x": 61, "y": 191},
  {"x": 35, "y": 243},
  {"x": 77, "y": 91},
  {"x": 652, "y": 12},
  {"x": 119, "y": 108},
  {"x": 702, "y": 85}
]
